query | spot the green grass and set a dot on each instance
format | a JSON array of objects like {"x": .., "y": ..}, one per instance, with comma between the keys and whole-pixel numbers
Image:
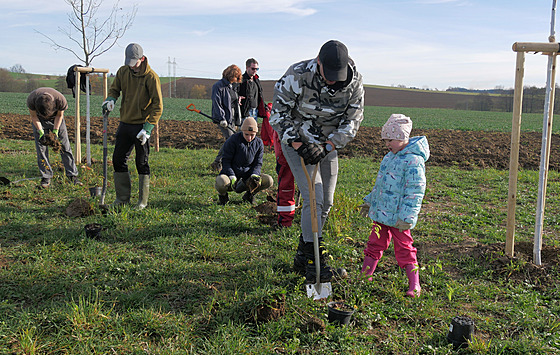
[
  {"x": 175, "y": 109},
  {"x": 188, "y": 276}
]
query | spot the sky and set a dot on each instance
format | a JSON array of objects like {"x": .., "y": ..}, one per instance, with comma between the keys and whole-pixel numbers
[{"x": 433, "y": 44}]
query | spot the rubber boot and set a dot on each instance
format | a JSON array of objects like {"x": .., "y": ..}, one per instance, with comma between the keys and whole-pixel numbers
[
  {"x": 369, "y": 266},
  {"x": 413, "y": 280},
  {"x": 143, "y": 191},
  {"x": 300, "y": 261},
  {"x": 122, "y": 188},
  {"x": 223, "y": 199},
  {"x": 310, "y": 271}
]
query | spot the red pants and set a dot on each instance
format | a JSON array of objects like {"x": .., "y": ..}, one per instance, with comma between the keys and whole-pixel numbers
[
  {"x": 266, "y": 132},
  {"x": 285, "y": 203},
  {"x": 380, "y": 238}
]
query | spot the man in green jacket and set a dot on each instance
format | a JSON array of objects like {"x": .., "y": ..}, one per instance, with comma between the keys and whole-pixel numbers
[{"x": 141, "y": 108}]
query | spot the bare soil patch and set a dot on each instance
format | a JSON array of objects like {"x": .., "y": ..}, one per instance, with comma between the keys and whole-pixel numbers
[{"x": 464, "y": 149}]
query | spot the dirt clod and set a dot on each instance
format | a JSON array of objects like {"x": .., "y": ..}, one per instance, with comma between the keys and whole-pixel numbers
[
  {"x": 269, "y": 309},
  {"x": 313, "y": 324},
  {"x": 79, "y": 208},
  {"x": 51, "y": 140}
]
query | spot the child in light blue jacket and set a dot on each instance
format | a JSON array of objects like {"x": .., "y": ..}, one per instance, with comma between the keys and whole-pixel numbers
[{"x": 396, "y": 198}]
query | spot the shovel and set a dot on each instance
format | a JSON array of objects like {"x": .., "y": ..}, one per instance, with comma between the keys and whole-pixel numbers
[
  {"x": 6, "y": 181},
  {"x": 318, "y": 290},
  {"x": 104, "y": 190},
  {"x": 192, "y": 108}
]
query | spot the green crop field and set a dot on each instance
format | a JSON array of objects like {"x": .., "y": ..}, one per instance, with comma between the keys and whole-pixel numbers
[{"x": 175, "y": 109}]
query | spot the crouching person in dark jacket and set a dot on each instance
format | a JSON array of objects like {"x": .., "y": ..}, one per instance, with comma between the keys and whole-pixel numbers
[{"x": 241, "y": 164}]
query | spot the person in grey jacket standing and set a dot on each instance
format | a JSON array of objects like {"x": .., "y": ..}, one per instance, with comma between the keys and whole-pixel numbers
[{"x": 317, "y": 108}]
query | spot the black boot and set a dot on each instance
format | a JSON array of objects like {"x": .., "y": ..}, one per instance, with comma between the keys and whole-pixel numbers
[
  {"x": 300, "y": 261},
  {"x": 223, "y": 199},
  {"x": 248, "y": 197},
  {"x": 310, "y": 271}
]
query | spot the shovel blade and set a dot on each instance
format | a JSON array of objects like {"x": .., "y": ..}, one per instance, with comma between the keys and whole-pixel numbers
[{"x": 319, "y": 291}]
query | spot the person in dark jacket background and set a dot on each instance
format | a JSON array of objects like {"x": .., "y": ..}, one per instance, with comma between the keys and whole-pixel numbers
[
  {"x": 241, "y": 164},
  {"x": 226, "y": 111},
  {"x": 250, "y": 91}
]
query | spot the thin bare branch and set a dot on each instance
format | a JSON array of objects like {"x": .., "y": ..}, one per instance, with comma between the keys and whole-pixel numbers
[{"x": 89, "y": 34}]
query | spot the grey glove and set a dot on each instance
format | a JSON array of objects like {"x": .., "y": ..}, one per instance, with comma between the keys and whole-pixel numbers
[
  {"x": 223, "y": 124},
  {"x": 364, "y": 209},
  {"x": 402, "y": 225}
]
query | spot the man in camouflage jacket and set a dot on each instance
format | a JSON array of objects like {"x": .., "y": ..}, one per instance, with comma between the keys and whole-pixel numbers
[{"x": 317, "y": 108}]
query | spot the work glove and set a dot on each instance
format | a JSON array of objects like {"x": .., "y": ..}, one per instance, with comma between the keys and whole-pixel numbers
[
  {"x": 108, "y": 105},
  {"x": 55, "y": 132},
  {"x": 311, "y": 153},
  {"x": 223, "y": 123},
  {"x": 364, "y": 209},
  {"x": 145, "y": 133},
  {"x": 232, "y": 180},
  {"x": 402, "y": 225},
  {"x": 42, "y": 138},
  {"x": 253, "y": 183}
]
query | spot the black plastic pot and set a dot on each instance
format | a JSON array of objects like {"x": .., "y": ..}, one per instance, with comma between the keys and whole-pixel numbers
[
  {"x": 95, "y": 191},
  {"x": 339, "y": 313},
  {"x": 93, "y": 230},
  {"x": 460, "y": 331}
]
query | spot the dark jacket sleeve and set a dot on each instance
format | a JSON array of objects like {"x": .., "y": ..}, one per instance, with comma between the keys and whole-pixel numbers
[
  {"x": 258, "y": 160},
  {"x": 221, "y": 104},
  {"x": 229, "y": 150}
]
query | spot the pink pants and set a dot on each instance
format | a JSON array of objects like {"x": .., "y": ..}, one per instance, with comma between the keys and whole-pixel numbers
[{"x": 405, "y": 253}]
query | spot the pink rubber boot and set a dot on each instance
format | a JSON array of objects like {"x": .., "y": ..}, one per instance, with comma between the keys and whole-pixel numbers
[
  {"x": 369, "y": 266},
  {"x": 413, "y": 280}
]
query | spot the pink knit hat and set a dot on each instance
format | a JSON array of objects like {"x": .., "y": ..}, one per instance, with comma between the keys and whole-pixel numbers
[{"x": 398, "y": 127}]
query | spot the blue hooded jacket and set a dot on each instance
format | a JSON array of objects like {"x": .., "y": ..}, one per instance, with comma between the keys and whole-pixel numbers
[{"x": 400, "y": 185}]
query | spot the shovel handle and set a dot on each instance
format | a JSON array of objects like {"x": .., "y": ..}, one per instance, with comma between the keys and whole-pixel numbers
[
  {"x": 191, "y": 107},
  {"x": 314, "y": 222},
  {"x": 312, "y": 199}
]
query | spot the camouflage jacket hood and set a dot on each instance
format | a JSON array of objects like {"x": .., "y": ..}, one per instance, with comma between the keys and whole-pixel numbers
[{"x": 306, "y": 109}]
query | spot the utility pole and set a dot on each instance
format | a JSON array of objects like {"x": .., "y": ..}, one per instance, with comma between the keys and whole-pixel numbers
[
  {"x": 169, "y": 73},
  {"x": 174, "y": 78}
]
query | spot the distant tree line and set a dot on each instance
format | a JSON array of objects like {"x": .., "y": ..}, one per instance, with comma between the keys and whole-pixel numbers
[
  {"x": 497, "y": 99},
  {"x": 24, "y": 82},
  {"x": 500, "y": 99}
]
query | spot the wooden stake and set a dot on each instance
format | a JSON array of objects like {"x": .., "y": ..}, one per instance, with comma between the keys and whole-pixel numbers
[
  {"x": 78, "y": 70},
  {"x": 514, "y": 154},
  {"x": 536, "y": 47},
  {"x": 157, "y": 137}
]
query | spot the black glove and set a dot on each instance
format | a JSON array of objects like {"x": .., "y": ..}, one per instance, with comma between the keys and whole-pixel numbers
[
  {"x": 311, "y": 153},
  {"x": 43, "y": 139},
  {"x": 253, "y": 183}
]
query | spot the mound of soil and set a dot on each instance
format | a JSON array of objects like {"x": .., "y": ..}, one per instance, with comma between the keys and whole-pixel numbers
[
  {"x": 79, "y": 208},
  {"x": 464, "y": 149}
]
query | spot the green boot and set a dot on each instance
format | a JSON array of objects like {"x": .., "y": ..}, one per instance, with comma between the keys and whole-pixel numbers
[
  {"x": 143, "y": 191},
  {"x": 122, "y": 188}
]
